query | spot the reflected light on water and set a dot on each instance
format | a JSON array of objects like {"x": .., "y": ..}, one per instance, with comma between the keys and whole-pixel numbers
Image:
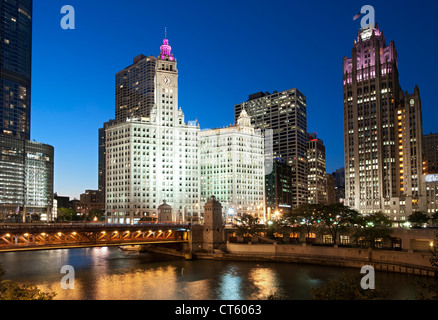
[
  {"x": 230, "y": 284},
  {"x": 266, "y": 282},
  {"x": 134, "y": 285},
  {"x": 138, "y": 284}
]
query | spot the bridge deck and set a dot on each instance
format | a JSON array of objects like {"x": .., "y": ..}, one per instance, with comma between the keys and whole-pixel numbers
[{"x": 19, "y": 237}]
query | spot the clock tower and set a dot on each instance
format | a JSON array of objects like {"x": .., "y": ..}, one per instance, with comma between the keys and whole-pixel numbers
[{"x": 166, "y": 88}]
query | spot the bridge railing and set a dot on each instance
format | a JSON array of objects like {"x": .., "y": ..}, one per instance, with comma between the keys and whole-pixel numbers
[{"x": 21, "y": 227}]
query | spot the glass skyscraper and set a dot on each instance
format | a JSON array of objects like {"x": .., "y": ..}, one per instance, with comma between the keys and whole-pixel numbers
[
  {"x": 16, "y": 65},
  {"x": 26, "y": 167}
]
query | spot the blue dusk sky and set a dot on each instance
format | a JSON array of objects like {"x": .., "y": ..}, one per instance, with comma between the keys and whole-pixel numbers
[{"x": 226, "y": 50}]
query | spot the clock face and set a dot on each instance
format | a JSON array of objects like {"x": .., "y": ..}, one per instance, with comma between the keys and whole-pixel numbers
[{"x": 167, "y": 81}]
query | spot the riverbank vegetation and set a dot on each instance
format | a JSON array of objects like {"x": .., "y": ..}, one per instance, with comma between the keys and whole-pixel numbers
[
  {"x": 10, "y": 290},
  {"x": 335, "y": 223}
]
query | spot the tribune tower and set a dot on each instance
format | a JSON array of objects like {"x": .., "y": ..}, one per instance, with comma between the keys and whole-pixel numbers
[{"x": 382, "y": 132}]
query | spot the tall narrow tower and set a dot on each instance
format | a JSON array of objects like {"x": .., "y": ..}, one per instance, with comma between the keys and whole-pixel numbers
[
  {"x": 213, "y": 231},
  {"x": 382, "y": 127},
  {"x": 16, "y": 67},
  {"x": 160, "y": 155}
]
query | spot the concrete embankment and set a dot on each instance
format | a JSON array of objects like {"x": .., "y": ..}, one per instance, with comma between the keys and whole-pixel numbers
[{"x": 417, "y": 263}]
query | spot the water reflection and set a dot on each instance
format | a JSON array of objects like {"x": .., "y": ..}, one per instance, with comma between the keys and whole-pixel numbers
[
  {"x": 265, "y": 282},
  {"x": 230, "y": 284},
  {"x": 112, "y": 274}
]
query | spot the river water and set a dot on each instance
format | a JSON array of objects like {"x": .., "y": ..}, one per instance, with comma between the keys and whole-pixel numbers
[{"x": 112, "y": 274}]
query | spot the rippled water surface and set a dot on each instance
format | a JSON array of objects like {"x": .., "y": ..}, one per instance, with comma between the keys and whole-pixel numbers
[{"x": 112, "y": 274}]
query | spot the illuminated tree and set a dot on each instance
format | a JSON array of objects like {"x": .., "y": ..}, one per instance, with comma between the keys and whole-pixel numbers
[
  {"x": 336, "y": 219},
  {"x": 304, "y": 218}
]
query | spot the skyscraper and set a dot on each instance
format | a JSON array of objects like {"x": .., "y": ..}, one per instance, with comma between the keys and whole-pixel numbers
[
  {"x": 135, "y": 88},
  {"x": 16, "y": 67},
  {"x": 430, "y": 153},
  {"x": 26, "y": 167},
  {"x": 278, "y": 190},
  {"x": 285, "y": 113},
  {"x": 155, "y": 158},
  {"x": 135, "y": 98},
  {"x": 430, "y": 170},
  {"x": 317, "y": 170},
  {"x": 339, "y": 176},
  {"x": 232, "y": 168},
  {"x": 382, "y": 130},
  {"x": 102, "y": 157}
]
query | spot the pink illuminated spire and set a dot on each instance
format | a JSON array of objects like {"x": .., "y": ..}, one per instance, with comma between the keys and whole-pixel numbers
[{"x": 165, "y": 49}]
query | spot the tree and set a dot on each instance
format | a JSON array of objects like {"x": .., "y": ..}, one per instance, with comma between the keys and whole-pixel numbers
[
  {"x": 434, "y": 219},
  {"x": 372, "y": 227},
  {"x": 336, "y": 218},
  {"x": 428, "y": 290},
  {"x": 346, "y": 287},
  {"x": 305, "y": 217},
  {"x": 247, "y": 224},
  {"x": 67, "y": 215},
  {"x": 277, "y": 227},
  {"x": 418, "y": 218},
  {"x": 96, "y": 213},
  {"x": 10, "y": 290}
]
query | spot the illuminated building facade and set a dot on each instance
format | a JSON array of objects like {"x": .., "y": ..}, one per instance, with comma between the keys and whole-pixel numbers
[
  {"x": 26, "y": 179},
  {"x": 155, "y": 158},
  {"x": 430, "y": 170},
  {"x": 431, "y": 181},
  {"x": 317, "y": 170},
  {"x": 233, "y": 168},
  {"x": 285, "y": 113},
  {"x": 382, "y": 132}
]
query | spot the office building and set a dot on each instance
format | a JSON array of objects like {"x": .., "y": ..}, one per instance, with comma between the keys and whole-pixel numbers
[
  {"x": 431, "y": 181},
  {"x": 339, "y": 176},
  {"x": 285, "y": 113},
  {"x": 102, "y": 157},
  {"x": 278, "y": 190},
  {"x": 134, "y": 98},
  {"x": 430, "y": 153},
  {"x": 26, "y": 167},
  {"x": 316, "y": 170},
  {"x": 382, "y": 130},
  {"x": 430, "y": 171},
  {"x": 26, "y": 178},
  {"x": 330, "y": 189},
  {"x": 232, "y": 168},
  {"x": 135, "y": 89},
  {"x": 62, "y": 201},
  {"x": 155, "y": 158},
  {"x": 16, "y": 67},
  {"x": 90, "y": 200}
]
